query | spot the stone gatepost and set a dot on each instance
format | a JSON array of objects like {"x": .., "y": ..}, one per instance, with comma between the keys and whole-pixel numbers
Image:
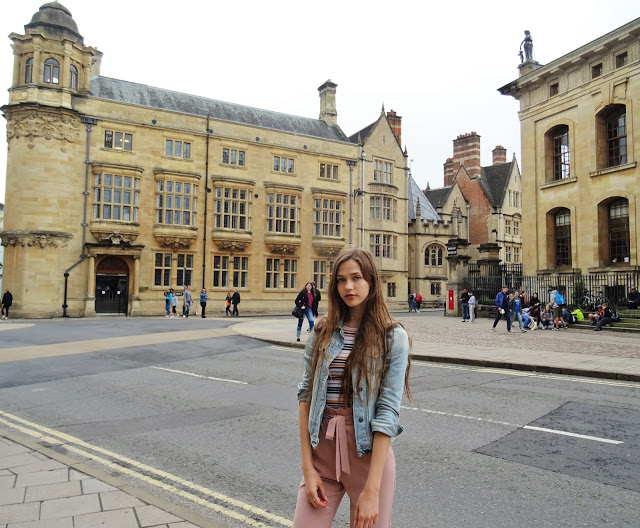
[{"x": 458, "y": 258}]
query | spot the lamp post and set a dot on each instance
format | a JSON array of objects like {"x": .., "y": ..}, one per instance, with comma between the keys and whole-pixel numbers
[
  {"x": 351, "y": 164},
  {"x": 363, "y": 155}
]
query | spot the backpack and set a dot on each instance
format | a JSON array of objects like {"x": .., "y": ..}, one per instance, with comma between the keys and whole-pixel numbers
[
  {"x": 615, "y": 316},
  {"x": 560, "y": 300}
]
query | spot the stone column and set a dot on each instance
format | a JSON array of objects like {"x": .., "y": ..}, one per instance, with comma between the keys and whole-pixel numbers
[
  {"x": 17, "y": 66},
  {"x": 38, "y": 71},
  {"x": 90, "y": 299},
  {"x": 458, "y": 258},
  {"x": 135, "y": 290}
]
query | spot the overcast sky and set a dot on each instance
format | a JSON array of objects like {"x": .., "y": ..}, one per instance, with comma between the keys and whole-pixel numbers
[{"x": 437, "y": 65}]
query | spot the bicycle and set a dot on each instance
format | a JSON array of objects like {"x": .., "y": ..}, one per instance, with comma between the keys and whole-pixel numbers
[
  {"x": 439, "y": 302},
  {"x": 590, "y": 302}
]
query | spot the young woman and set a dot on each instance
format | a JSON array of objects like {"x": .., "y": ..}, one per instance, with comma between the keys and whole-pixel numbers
[
  {"x": 305, "y": 300},
  {"x": 546, "y": 317},
  {"x": 356, "y": 369},
  {"x": 227, "y": 304}
]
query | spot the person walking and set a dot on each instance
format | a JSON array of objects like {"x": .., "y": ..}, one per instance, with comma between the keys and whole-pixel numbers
[
  {"x": 7, "y": 302},
  {"x": 412, "y": 302},
  {"x": 317, "y": 297},
  {"x": 227, "y": 304},
  {"x": 464, "y": 301},
  {"x": 556, "y": 309},
  {"x": 472, "y": 307},
  {"x": 305, "y": 301},
  {"x": 188, "y": 299},
  {"x": 515, "y": 306},
  {"x": 167, "y": 302},
  {"x": 356, "y": 368},
  {"x": 203, "y": 301},
  {"x": 418, "y": 301},
  {"x": 235, "y": 300},
  {"x": 502, "y": 306},
  {"x": 174, "y": 304}
]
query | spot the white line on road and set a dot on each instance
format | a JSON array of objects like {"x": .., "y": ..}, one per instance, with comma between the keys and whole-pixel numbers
[
  {"x": 508, "y": 424},
  {"x": 200, "y": 376}
]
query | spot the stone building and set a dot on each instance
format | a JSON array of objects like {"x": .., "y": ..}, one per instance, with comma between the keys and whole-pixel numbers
[
  {"x": 117, "y": 191},
  {"x": 579, "y": 156}
]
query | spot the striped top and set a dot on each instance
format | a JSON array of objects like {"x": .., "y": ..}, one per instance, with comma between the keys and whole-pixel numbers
[{"x": 336, "y": 369}]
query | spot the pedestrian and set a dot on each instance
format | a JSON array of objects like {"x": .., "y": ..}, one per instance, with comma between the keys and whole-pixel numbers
[
  {"x": 305, "y": 301},
  {"x": 523, "y": 299},
  {"x": 534, "y": 308},
  {"x": 412, "y": 302},
  {"x": 167, "y": 302},
  {"x": 515, "y": 305},
  {"x": 227, "y": 304},
  {"x": 188, "y": 299},
  {"x": 203, "y": 301},
  {"x": 235, "y": 300},
  {"x": 605, "y": 319},
  {"x": 174, "y": 303},
  {"x": 556, "y": 309},
  {"x": 418, "y": 302},
  {"x": 317, "y": 297},
  {"x": 356, "y": 368},
  {"x": 464, "y": 300},
  {"x": 502, "y": 306},
  {"x": 472, "y": 307},
  {"x": 7, "y": 302}
]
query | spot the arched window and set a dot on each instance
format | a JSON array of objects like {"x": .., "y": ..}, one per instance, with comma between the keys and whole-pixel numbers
[
  {"x": 51, "y": 71},
  {"x": 562, "y": 238},
  {"x": 617, "y": 136},
  {"x": 561, "y": 154},
  {"x": 73, "y": 77},
  {"x": 619, "y": 246},
  {"x": 28, "y": 71},
  {"x": 433, "y": 256}
]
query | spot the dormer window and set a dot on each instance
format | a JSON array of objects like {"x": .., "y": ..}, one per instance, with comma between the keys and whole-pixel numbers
[
  {"x": 51, "y": 71},
  {"x": 73, "y": 77},
  {"x": 28, "y": 71}
]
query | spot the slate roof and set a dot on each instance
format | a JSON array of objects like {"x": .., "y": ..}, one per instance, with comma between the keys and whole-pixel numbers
[
  {"x": 438, "y": 197},
  {"x": 427, "y": 212},
  {"x": 149, "y": 96},
  {"x": 364, "y": 133},
  {"x": 494, "y": 181}
]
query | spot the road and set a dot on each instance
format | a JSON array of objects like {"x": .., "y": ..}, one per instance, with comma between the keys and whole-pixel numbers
[{"x": 192, "y": 412}]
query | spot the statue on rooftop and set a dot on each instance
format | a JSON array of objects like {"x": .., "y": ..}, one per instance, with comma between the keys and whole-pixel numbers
[{"x": 527, "y": 43}]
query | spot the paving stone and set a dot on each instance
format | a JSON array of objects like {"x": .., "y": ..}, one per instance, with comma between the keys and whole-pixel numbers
[
  {"x": 3, "y": 473},
  {"x": 42, "y": 477},
  {"x": 70, "y": 507},
  {"x": 93, "y": 485},
  {"x": 20, "y": 512},
  {"x": 116, "y": 500},
  {"x": 41, "y": 456},
  {"x": 12, "y": 461},
  {"x": 66, "y": 522},
  {"x": 111, "y": 519},
  {"x": 74, "y": 474},
  {"x": 152, "y": 516},
  {"x": 7, "y": 482},
  {"x": 184, "y": 524},
  {"x": 52, "y": 491},
  {"x": 15, "y": 449},
  {"x": 40, "y": 465},
  {"x": 12, "y": 496},
  {"x": 159, "y": 526}
]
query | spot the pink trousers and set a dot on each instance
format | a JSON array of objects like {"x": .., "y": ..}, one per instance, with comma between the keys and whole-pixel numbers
[{"x": 337, "y": 462}]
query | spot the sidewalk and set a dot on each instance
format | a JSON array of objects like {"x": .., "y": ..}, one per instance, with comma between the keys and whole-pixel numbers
[
  {"x": 448, "y": 340},
  {"x": 40, "y": 488}
]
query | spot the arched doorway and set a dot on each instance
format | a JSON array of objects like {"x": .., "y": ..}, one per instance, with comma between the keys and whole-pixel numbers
[{"x": 112, "y": 286}]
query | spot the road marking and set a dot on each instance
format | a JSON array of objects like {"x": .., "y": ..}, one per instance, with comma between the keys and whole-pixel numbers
[
  {"x": 523, "y": 374},
  {"x": 57, "y": 438},
  {"x": 200, "y": 376},
  {"x": 509, "y": 424}
]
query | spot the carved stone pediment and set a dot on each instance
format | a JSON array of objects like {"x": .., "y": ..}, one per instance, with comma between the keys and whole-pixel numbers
[
  {"x": 282, "y": 244},
  {"x": 47, "y": 124},
  {"x": 114, "y": 233},
  {"x": 175, "y": 237},
  {"x": 231, "y": 241},
  {"x": 41, "y": 239},
  {"x": 327, "y": 247},
  {"x": 283, "y": 249},
  {"x": 116, "y": 239},
  {"x": 176, "y": 242},
  {"x": 232, "y": 246}
]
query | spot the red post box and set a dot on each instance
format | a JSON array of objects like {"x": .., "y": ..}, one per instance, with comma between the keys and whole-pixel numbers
[{"x": 451, "y": 300}]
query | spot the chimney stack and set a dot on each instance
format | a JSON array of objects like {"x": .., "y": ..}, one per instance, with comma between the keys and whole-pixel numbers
[
  {"x": 448, "y": 172},
  {"x": 466, "y": 151},
  {"x": 328, "y": 112},
  {"x": 396, "y": 125},
  {"x": 499, "y": 155}
]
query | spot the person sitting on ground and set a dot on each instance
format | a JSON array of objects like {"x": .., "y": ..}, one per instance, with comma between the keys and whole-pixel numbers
[
  {"x": 527, "y": 321},
  {"x": 566, "y": 316},
  {"x": 633, "y": 299},
  {"x": 546, "y": 316},
  {"x": 606, "y": 318},
  {"x": 594, "y": 316}
]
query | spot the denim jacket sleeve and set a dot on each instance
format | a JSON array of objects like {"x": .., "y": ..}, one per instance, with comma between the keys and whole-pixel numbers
[
  {"x": 304, "y": 390},
  {"x": 389, "y": 399}
]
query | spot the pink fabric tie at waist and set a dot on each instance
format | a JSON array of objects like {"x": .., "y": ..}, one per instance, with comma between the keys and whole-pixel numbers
[{"x": 337, "y": 428}]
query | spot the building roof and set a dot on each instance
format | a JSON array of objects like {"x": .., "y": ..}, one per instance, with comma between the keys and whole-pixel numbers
[
  {"x": 149, "y": 96},
  {"x": 56, "y": 19},
  {"x": 494, "y": 181},
  {"x": 427, "y": 212},
  {"x": 363, "y": 134},
  {"x": 438, "y": 197}
]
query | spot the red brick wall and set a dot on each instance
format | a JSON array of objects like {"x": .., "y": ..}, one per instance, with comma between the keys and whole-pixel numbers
[
  {"x": 466, "y": 151},
  {"x": 480, "y": 208},
  {"x": 499, "y": 155},
  {"x": 396, "y": 125}
]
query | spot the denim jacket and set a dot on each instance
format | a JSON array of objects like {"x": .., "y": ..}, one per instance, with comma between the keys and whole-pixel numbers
[{"x": 379, "y": 412}]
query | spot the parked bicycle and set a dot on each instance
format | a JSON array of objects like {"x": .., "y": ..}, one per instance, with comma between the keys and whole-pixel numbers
[
  {"x": 439, "y": 302},
  {"x": 590, "y": 302}
]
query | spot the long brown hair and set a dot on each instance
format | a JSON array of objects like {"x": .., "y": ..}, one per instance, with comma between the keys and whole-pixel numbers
[{"x": 371, "y": 351}]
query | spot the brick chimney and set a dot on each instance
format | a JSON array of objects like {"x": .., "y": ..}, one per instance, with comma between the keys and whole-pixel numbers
[
  {"x": 448, "y": 172},
  {"x": 466, "y": 151},
  {"x": 499, "y": 155},
  {"x": 396, "y": 125},
  {"x": 328, "y": 112}
]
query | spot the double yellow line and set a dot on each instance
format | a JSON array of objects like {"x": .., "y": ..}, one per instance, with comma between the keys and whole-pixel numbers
[{"x": 117, "y": 462}]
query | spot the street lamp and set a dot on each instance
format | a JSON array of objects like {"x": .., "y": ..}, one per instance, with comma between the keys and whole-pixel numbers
[{"x": 351, "y": 164}]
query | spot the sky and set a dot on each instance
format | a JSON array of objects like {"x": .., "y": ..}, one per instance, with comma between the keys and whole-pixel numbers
[{"x": 438, "y": 65}]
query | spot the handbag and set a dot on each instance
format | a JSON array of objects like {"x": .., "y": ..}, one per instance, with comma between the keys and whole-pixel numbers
[{"x": 297, "y": 312}]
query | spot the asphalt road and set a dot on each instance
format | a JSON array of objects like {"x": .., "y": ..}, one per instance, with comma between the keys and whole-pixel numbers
[{"x": 481, "y": 447}]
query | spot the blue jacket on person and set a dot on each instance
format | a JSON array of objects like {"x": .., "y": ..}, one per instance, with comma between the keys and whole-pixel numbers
[{"x": 502, "y": 301}]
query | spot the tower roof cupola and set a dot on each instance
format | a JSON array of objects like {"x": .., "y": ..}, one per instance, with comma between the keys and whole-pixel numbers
[{"x": 55, "y": 19}]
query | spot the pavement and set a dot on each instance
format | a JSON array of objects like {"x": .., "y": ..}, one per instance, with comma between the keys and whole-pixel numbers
[{"x": 41, "y": 488}]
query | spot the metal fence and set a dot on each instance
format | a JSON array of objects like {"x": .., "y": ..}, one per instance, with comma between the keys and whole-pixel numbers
[{"x": 586, "y": 291}]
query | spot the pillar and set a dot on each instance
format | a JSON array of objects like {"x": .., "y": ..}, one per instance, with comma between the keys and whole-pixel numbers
[{"x": 90, "y": 299}]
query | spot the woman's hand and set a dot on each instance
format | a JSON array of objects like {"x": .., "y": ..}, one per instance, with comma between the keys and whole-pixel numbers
[
  {"x": 366, "y": 514},
  {"x": 315, "y": 489}
]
